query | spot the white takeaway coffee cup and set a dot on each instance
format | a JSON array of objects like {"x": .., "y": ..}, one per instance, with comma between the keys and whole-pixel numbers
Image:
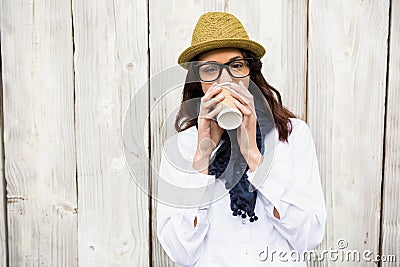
[{"x": 229, "y": 117}]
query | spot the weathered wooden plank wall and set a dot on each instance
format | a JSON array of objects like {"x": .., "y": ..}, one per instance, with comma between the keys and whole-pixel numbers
[
  {"x": 39, "y": 147},
  {"x": 346, "y": 96},
  {"x": 390, "y": 231},
  {"x": 3, "y": 210},
  {"x": 71, "y": 68},
  {"x": 111, "y": 63}
]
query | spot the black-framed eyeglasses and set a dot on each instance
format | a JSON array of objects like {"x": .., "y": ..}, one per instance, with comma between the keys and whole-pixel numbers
[{"x": 211, "y": 71}]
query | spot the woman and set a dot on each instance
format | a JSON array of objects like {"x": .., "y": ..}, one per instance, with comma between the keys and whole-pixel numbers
[{"x": 283, "y": 214}]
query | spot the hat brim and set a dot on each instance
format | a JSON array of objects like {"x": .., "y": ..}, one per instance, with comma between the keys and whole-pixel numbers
[{"x": 192, "y": 51}]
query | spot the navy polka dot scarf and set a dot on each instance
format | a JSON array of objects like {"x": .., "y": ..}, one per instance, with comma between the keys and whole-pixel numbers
[{"x": 242, "y": 194}]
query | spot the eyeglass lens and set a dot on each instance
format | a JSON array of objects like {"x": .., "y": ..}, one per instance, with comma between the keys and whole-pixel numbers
[{"x": 211, "y": 71}]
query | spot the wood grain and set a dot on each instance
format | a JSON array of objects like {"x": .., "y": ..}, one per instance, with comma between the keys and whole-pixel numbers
[
  {"x": 346, "y": 94},
  {"x": 3, "y": 193},
  {"x": 390, "y": 232},
  {"x": 39, "y": 146},
  {"x": 110, "y": 66}
]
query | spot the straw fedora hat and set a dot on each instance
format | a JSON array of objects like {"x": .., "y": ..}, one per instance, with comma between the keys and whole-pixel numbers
[{"x": 219, "y": 30}]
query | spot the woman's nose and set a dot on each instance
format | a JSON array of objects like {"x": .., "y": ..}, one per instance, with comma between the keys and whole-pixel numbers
[{"x": 225, "y": 77}]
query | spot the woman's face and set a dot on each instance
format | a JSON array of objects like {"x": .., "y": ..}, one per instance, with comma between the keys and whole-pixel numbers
[{"x": 223, "y": 55}]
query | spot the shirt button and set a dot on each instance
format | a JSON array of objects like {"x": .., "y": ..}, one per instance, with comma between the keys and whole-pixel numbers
[{"x": 243, "y": 221}]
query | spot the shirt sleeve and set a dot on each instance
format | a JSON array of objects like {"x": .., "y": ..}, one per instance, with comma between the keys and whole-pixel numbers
[
  {"x": 182, "y": 197},
  {"x": 293, "y": 187}
]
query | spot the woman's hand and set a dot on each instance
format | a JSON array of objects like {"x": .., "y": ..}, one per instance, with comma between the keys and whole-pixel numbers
[
  {"x": 246, "y": 133},
  {"x": 205, "y": 143}
]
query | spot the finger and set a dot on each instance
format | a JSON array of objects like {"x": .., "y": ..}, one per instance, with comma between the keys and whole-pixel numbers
[
  {"x": 240, "y": 98},
  {"x": 206, "y": 95},
  {"x": 212, "y": 91},
  {"x": 244, "y": 99},
  {"x": 245, "y": 110},
  {"x": 243, "y": 91},
  {"x": 213, "y": 101},
  {"x": 212, "y": 114}
]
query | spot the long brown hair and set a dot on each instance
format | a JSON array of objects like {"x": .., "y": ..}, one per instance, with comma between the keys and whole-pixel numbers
[{"x": 187, "y": 116}]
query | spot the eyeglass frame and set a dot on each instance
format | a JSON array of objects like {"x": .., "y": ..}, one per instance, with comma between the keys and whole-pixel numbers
[{"x": 224, "y": 66}]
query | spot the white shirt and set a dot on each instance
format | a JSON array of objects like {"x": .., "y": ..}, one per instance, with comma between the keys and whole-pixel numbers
[{"x": 290, "y": 183}]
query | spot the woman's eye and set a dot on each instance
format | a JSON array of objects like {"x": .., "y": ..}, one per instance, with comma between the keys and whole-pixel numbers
[
  {"x": 237, "y": 65},
  {"x": 210, "y": 69}
]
